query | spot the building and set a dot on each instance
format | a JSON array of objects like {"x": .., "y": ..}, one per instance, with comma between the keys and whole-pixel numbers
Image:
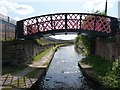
[
  {"x": 119, "y": 9},
  {"x": 119, "y": 13},
  {"x": 7, "y": 27}
]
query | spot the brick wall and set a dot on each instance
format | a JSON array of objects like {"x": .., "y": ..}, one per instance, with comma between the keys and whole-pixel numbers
[{"x": 109, "y": 48}]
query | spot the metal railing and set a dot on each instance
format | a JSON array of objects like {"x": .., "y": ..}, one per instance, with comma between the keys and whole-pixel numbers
[{"x": 67, "y": 22}]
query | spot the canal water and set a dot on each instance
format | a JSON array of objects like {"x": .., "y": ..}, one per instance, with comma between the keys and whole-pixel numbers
[{"x": 64, "y": 73}]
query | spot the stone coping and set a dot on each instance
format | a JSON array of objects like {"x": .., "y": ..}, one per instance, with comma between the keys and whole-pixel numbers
[{"x": 89, "y": 72}]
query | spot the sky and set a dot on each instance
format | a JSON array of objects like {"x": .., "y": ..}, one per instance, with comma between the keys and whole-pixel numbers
[{"x": 21, "y": 9}]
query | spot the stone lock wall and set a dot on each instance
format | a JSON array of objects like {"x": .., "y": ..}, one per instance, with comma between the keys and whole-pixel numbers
[{"x": 20, "y": 52}]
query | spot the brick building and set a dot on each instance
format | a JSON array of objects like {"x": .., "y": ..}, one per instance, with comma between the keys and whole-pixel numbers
[
  {"x": 7, "y": 27},
  {"x": 119, "y": 13},
  {"x": 119, "y": 9}
]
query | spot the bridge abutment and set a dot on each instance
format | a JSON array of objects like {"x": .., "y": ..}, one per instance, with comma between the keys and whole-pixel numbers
[{"x": 108, "y": 48}]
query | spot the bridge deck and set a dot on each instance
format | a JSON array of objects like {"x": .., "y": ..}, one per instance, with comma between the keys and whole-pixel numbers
[{"x": 67, "y": 22}]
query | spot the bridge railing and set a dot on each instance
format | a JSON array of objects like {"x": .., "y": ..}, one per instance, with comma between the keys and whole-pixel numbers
[{"x": 64, "y": 22}]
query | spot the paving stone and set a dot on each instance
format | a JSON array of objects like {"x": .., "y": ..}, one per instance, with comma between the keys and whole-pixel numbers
[{"x": 13, "y": 79}]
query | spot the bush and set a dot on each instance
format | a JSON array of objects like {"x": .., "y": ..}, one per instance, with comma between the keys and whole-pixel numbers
[
  {"x": 85, "y": 44},
  {"x": 99, "y": 65},
  {"x": 112, "y": 78},
  {"x": 108, "y": 71}
]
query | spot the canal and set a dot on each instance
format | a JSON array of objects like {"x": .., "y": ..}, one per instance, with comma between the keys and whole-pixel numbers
[{"x": 64, "y": 73}]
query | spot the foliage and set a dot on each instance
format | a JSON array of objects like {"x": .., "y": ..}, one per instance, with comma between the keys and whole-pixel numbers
[
  {"x": 43, "y": 41},
  {"x": 99, "y": 12},
  {"x": 99, "y": 65},
  {"x": 85, "y": 43},
  {"x": 108, "y": 71},
  {"x": 112, "y": 78}
]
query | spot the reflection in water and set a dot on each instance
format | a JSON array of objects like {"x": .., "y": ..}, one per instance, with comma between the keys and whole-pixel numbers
[{"x": 64, "y": 72}]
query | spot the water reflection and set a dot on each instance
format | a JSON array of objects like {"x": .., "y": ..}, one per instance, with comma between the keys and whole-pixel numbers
[{"x": 64, "y": 72}]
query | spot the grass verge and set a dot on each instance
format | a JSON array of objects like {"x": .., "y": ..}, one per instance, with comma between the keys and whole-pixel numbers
[{"x": 38, "y": 57}]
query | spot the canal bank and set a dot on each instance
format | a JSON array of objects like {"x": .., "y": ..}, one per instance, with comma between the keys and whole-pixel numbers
[
  {"x": 101, "y": 71},
  {"x": 64, "y": 73},
  {"x": 25, "y": 78},
  {"x": 89, "y": 73}
]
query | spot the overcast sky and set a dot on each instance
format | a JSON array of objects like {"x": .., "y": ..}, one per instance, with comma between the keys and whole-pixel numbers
[{"x": 21, "y": 9}]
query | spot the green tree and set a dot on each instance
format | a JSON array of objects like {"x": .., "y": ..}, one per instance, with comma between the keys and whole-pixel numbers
[
  {"x": 84, "y": 43},
  {"x": 99, "y": 12}
]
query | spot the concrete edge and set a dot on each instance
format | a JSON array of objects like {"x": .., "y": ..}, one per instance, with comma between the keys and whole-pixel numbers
[
  {"x": 45, "y": 70},
  {"x": 89, "y": 73}
]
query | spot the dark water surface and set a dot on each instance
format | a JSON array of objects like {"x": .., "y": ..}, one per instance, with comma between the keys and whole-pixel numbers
[{"x": 64, "y": 73}]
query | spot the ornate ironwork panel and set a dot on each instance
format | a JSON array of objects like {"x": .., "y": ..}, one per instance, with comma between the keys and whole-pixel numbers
[{"x": 79, "y": 22}]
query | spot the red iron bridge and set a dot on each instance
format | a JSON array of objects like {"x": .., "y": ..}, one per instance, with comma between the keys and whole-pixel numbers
[{"x": 92, "y": 24}]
